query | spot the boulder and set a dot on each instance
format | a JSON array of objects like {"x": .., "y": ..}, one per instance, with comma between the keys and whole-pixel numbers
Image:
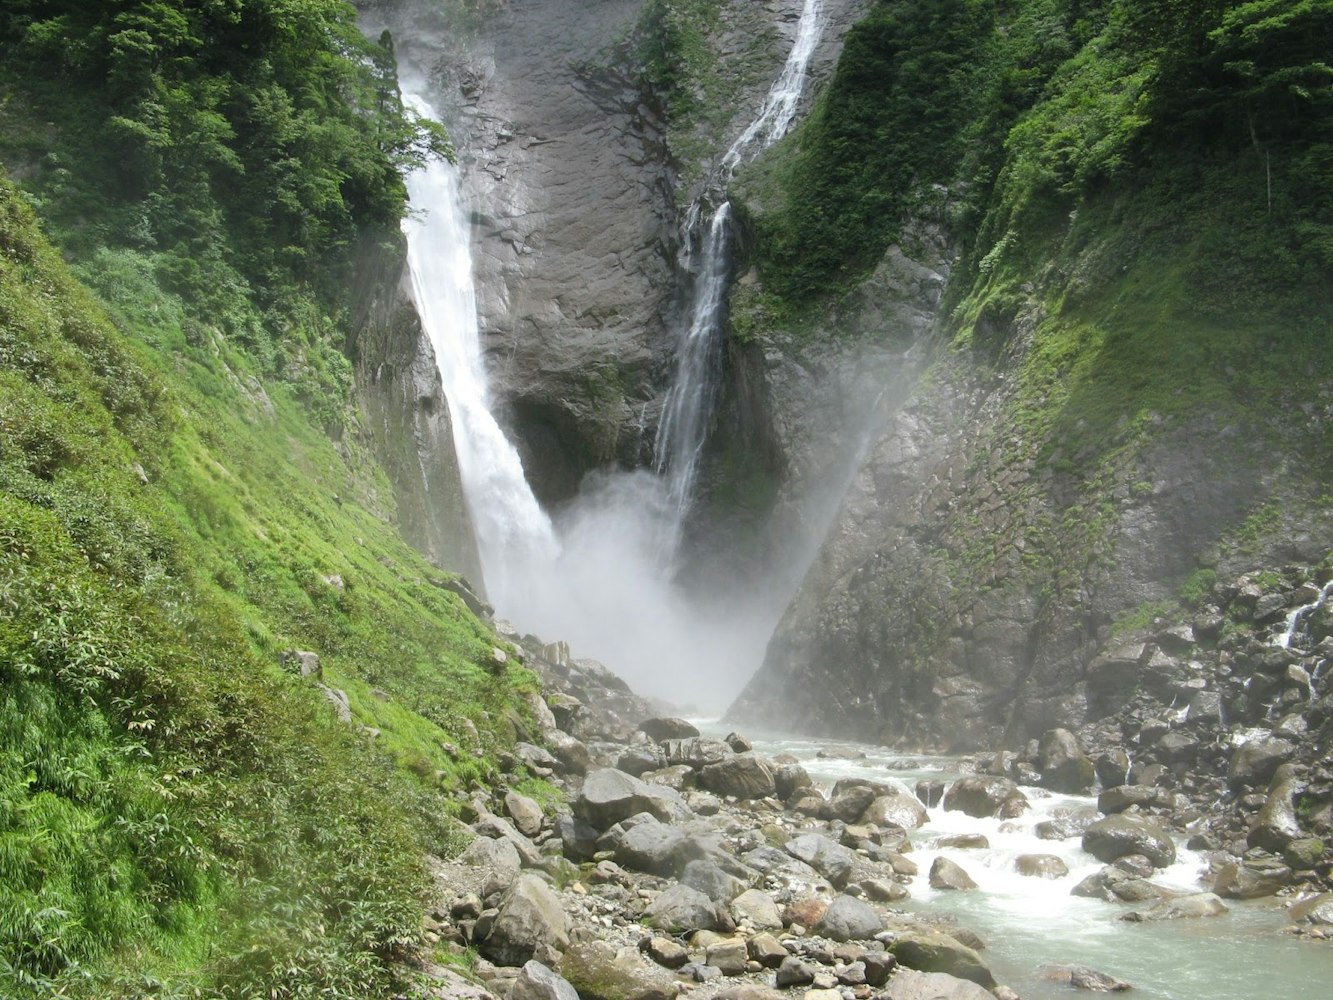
[
  {"x": 1122, "y": 834},
  {"x": 1316, "y": 911},
  {"x": 767, "y": 950},
  {"x": 525, "y": 813},
  {"x": 883, "y": 890},
  {"x": 750, "y": 991},
  {"x": 682, "y": 910},
  {"x": 1063, "y": 765},
  {"x": 707, "y": 877},
  {"x": 695, "y": 752},
  {"x": 1100, "y": 884},
  {"x": 743, "y": 775},
  {"x": 908, "y": 984},
  {"x": 729, "y": 956},
  {"x": 794, "y": 972},
  {"x": 599, "y": 972},
  {"x": 757, "y": 908},
  {"x": 538, "y": 982},
  {"x": 571, "y": 755},
  {"x": 963, "y": 841},
  {"x": 788, "y": 778},
  {"x": 849, "y": 803},
  {"x": 896, "y": 809},
  {"x": 738, "y": 742},
  {"x": 1276, "y": 826},
  {"x": 636, "y": 760},
  {"x": 1040, "y": 866},
  {"x": 529, "y": 916},
  {"x": 1083, "y": 978},
  {"x": 578, "y": 839},
  {"x": 1304, "y": 853},
  {"x": 849, "y": 919},
  {"x": 1196, "y": 904},
  {"x": 1255, "y": 762},
  {"x": 945, "y": 874},
  {"x": 667, "y": 728},
  {"x": 833, "y": 861},
  {"x": 609, "y": 796},
  {"x": 984, "y": 796},
  {"x": 498, "y": 856},
  {"x": 656, "y": 848},
  {"x": 1121, "y": 797},
  {"x": 499, "y": 828},
  {"x": 1251, "y": 878},
  {"x": 934, "y": 951},
  {"x": 666, "y": 952}
]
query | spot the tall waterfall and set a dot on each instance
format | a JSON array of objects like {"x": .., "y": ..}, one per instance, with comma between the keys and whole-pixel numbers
[{"x": 600, "y": 576}]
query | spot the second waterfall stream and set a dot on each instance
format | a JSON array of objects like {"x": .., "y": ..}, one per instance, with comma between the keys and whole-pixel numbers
[{"x": 601, "y": 574}]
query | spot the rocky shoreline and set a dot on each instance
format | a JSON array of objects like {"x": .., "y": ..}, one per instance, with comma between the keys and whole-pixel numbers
[{"x": 677, "y": 863}]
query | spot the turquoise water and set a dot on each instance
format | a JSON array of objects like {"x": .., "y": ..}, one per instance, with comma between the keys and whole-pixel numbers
[{"x": 1029, "y": 922}]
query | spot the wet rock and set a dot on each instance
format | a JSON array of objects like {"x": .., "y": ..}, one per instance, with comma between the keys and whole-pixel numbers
[
  {"x": 848, "y": 804},
  {"x": 935, "y": 951},
  {"x": 538, "y": 982},
  {"x": 788, "y": 778},
  {"x": 1256, "y": 761},
  {"x": 1251, "y": 878},
  {"x": 1083, "y": 978},
  {"x": 682, "y": 910},
  {"x": 1139, "y": 890},
  {"x": 1112, "y": 767},
  {"x": 1317, "y": 911},
  {"x": 1198, "y": 904},
  {"x": 1121, "y": 797},
  {"x": 849, "y": 919},
  {"x": 963, "y": 841},
  {"x": 1100, "y": 885},
  {"x": 1063, "y": 765},
  {"x": 907, "y": 984},
  {"x": 945, "y": 874},
  {"x": 833, "y": 861},
  {"x": 1276, "y": 826},
  {"x": 984, "y": 796},
  {"x": 896, "y": 809},
  {"x": 599, "y": 972},
  {"x": 743, "y": 775},
  {"x": 1041, "y": 866},
  {"x": 529, "y": 916},
  {"x": 695, "y": 752},
  {"x": 666, "y": 728},
  {"x": 758, "y": 909},
  {"x": 1304, "y": 853},
  {"x": 1116, "y": 836},
  {"x": 609, "y": 796},
  {"x": 929, "y": 792}
]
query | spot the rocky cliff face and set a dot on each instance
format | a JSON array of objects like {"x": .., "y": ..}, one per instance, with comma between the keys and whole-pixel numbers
[{"x": 407, "y": 415}]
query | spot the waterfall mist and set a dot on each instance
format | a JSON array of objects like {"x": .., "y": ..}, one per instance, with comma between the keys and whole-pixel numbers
[{"x": 603, "y": 571}]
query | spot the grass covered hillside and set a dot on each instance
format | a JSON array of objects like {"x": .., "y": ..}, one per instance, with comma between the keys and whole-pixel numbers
[{"x": 184, "y": 495}]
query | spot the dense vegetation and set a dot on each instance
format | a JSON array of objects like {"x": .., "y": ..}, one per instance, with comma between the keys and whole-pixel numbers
[{"x": 179, "y": 816}]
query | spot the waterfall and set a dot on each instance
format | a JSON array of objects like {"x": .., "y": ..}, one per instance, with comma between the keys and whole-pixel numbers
[
  {"x": 514, "y": 536},
  {"x": 601, "y": 574},
  {"x": 1288, "y": 634}
]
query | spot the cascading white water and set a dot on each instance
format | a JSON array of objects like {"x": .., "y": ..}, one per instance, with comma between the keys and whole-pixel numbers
[
  {"x": 514, "y": 535},
  {"x": 601, "y": 576},
  {"x": 1285, "y": 637}
]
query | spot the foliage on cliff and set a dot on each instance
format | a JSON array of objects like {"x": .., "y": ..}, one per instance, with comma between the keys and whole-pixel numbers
[{"x": 179, "y": 816}]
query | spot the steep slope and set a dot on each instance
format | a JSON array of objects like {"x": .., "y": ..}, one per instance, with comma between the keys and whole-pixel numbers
[{"x": 1129, "y": 380}]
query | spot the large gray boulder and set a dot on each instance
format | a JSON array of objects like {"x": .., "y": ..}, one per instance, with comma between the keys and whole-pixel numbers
[
  {"x": 849, "y": 919},
  {"x": 1122, "y": 834},
  {"x": 498, "y": 856},
  {"x": 744, "y": 775},
  {"x": 757, "y": 908},
  {"x": 1317, "y": 911},
  {"x": 1063, "y": 765},
  {"x": 896, "y": 809},
  {"x": 571, "y": 754},
  {"x": 530, "y": 915},
  {"x": 1255, "y": 762},
  {"x": 656, "y": 848},
  {"x": 984, "y": 796},
  {"x": 1277, "y": 825},
  {"x": 1192, "y": 906},
  {"x": 1251, "y": 878},
  {"x": 609, "y": 796},
  {"x": 788, "y": 778},
  {"x": 945, "y": 874},
  {"x": 833, "y": 861},
  {"x": 1081, "y": 977},
  {"x": 934, "y": 951},
  {"x": 499, "y": 828},
  {"x": 848, "y": 803},
  {"x": 908, "y": 984},
  {"x": 710, "y": 879},
  {"x": 524, "y": 812},
  {"x": 667, "y": 728},
  {"x": 599, "y": 972},
  {"x": 695, "y": 752},
  {"x": 538, "y": 982},
  {"x": 682, "y": 910}
]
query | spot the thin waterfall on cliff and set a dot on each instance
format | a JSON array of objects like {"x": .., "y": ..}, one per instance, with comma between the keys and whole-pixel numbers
[
  {"x": 689, "y": 404},
  {"x": 513, "y": 533}
]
